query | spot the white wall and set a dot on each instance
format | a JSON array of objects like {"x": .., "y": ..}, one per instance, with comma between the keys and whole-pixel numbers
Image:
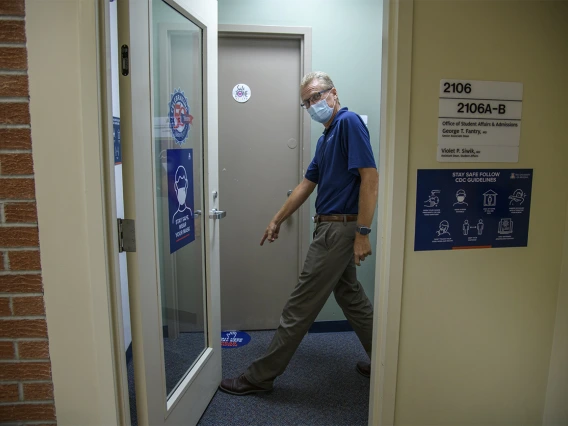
[
  {"x": 556, "y": 406},
  {"x": 477, "y": 325},
  {"x": 66, "y": 134}
]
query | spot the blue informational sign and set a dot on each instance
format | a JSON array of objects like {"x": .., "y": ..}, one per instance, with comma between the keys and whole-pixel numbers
[
  {"x": 471, "y": 208},
  {"x": 234, "y": 339},
  {"x": 180, "y": 198},
  {"x": 116, "y": 137}
]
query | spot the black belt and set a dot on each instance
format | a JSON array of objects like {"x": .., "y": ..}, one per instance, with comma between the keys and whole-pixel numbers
[{"x": 335, "y": 218}]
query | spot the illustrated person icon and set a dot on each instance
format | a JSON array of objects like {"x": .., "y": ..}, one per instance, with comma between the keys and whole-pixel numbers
[
  {"x": 480, "y": 226},
  {"x": 444, "y": 227},
  {"x": 466, "y": 227},
  {"x": 517, "y": 198},
  {"x": 181, "y": 184},
  {"x": 433, "y": 200},
  {"x": 460, "y": 195}
]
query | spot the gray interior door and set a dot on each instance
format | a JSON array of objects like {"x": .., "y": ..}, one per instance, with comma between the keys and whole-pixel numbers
[{"x": 259, "y": 162}]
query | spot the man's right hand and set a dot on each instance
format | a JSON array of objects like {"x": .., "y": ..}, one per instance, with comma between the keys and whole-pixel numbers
[
  {"x": 271, "y": 233},
  {"x": 294, "y": 201}
]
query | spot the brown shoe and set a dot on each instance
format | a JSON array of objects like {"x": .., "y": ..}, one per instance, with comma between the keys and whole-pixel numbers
[
  {"x": 240, "y": 386},
  {"x": 364, "y": 369}
]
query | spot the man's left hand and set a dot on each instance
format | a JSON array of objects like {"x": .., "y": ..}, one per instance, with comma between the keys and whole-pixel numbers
[{"x": 361, "y": 248}]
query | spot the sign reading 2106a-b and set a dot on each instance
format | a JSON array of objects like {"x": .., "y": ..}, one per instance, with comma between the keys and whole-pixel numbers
[
  {"x": 472, "y": 208},
  {"x": 479, "y": 121}
]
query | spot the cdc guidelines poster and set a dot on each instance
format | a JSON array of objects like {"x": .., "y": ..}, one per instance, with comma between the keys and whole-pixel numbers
[{"x": 472, "y": 208}]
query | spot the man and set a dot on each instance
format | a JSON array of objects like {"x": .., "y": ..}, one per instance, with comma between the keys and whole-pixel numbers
[{"x": 345, "y": 172}]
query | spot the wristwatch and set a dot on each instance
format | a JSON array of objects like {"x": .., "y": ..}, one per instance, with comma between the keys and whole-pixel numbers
[{"x": 363, "y": 230}]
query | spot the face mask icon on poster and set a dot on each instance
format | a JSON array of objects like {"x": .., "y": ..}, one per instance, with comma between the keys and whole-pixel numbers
[
  {"x": 180, "y": 185},
  {"x": 460, "y": 195},
  {"x": 443, "y": 228},
  {"x": 181, "y": 194}
]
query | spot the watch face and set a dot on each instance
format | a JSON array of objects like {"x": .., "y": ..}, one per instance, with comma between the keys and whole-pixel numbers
[{"x": 363, "y": 230}]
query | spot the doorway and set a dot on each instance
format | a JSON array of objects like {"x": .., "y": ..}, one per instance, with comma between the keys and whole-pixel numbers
[{"x": 300, "y": 148}]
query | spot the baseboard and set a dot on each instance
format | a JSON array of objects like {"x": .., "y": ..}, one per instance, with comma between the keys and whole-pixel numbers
[
  {"x": 330, "y": 326},
  {"x": 129, "y": 353}
]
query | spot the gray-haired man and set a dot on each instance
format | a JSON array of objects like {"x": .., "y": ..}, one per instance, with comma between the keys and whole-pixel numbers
[{"x": 345, "y": 172}]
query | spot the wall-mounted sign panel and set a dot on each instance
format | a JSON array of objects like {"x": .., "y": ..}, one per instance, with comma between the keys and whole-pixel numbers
[
  {"x": 472, "y": 208},
  {"x": 479, "y": 121}
]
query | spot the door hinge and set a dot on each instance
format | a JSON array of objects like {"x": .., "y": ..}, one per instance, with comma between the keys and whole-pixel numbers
[{"x": 126, "y": 235}]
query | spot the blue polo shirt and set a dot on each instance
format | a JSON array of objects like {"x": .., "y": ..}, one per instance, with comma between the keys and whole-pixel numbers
[{"x": 343, "y": 148}]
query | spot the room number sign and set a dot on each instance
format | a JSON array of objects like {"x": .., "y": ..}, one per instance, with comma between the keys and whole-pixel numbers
[{"x": 479, "y": 121}]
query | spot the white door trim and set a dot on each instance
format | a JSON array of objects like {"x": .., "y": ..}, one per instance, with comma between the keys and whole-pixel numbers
[
  {"x": 73, "y": 162},
  {"x": 304, "y": 34},
  {"x": 393, "y": 178},
  {"x": 115, "y": 304}
]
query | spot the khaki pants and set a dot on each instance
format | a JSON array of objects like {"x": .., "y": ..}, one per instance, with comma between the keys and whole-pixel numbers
[{"x": 329, "y": 266}]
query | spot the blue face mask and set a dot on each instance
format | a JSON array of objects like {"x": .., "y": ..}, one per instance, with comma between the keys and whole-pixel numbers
[{"x": 321, "y": 111}]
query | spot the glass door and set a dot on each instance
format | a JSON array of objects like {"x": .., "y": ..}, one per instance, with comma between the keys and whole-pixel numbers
[{"x": 168, "y": 68}]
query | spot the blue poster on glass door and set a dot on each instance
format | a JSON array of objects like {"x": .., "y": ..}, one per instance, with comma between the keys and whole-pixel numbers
[
  {"x": 472, "y": 208},
  {"x": 116, "y": 139},
  {"x": 180, "y": 198}
]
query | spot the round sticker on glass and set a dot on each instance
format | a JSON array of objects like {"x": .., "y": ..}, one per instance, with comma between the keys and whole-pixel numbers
[
  {"x": 241, "y": 93},
  {"x": 234, "y": 339}
]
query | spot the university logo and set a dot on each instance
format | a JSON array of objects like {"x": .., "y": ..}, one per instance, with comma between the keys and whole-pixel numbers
[
  {"x": 241, "y": 93},
  {"x": 179, "y": 118}
]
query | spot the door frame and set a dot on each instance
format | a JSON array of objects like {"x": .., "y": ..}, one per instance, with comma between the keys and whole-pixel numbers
[
  {"x": 394, "y": 144},
  {"x": 304, "y": 35},
  {"x": 90, "y": 187}
]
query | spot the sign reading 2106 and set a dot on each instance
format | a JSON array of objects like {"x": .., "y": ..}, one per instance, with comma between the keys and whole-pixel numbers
[{"x": 472, "y": 208}]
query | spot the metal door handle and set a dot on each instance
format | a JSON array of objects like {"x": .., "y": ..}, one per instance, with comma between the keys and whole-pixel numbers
[
  {"x": 197, "y": 213},
  {"x": 217, "y": 214},
  {"x": 290, "y": 192}
]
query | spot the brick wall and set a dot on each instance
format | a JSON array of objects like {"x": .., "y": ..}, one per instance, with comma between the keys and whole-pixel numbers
[{"x": 26, "y": 391}]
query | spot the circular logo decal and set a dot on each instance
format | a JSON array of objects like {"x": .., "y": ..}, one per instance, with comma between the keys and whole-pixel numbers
[
  {"x": 179, "y": 118},
  {"x": 241, "y": 93},
  {"x": 234, "y": 339}
]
